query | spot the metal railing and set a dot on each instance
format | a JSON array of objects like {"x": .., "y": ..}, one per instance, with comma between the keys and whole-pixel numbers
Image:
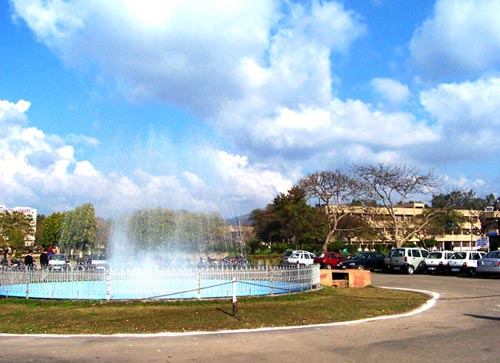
[{"x": 129, "y": 284}]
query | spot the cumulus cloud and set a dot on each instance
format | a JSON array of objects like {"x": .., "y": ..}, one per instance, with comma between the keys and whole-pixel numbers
[
  {"x": 391, "y": 92},
  {"x": 42, "y": 170},
  {"x": 170, "y": 51},
  {"x": 462, "y": 38},
  {"x": 260, "y": 73},
  {"x": 469, "y": 114}
]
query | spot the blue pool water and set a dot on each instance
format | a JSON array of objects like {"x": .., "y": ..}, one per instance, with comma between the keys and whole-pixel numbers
[{"x": 125, "y": 290}]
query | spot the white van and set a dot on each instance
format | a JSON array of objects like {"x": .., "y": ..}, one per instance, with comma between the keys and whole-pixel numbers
[{"x": 408, "y": 259}]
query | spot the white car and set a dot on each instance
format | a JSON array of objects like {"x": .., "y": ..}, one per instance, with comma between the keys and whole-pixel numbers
[
  {"x": 464, "y": 262},
  {"x": 99, "y": 263},
  {"x": 302, "y": 258},
  {"x": 408, "y": 259},
  {"x": 289, "y": 253},
  {"x": 437, "y": 262}
]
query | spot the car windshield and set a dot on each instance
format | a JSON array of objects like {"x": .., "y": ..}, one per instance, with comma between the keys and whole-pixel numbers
[
  {"x": 398, "y": 252},
  {"x": 493, "y": 254},
  {"x": 435, "y": 255},
  {"x": 458, "y": 256}
]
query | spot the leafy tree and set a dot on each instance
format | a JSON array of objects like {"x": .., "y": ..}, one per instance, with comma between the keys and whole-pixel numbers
[
  {"x": 78, "y": 230},
  {"x": 447, "y": 222},
  {"x": 298, "y": 220},
  {"x": 266, "y": 224},
  {"x": 290, "y": 220},
  {"x": 14, "y": 227},
  {"x": 38, "y": 232},
  {"x": 162, "y": 229},
  {"x": 462, "y": 200},
  {"x": 51, "y": 229},
  {"x": 334, "y": 190}
]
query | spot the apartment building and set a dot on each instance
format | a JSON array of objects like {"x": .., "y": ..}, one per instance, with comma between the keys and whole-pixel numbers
[{"x": 463, "y": 236}]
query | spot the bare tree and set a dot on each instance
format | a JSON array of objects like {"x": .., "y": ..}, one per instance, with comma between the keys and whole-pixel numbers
[
  {"x": 393, "y": 186},
  {"x": 335, "y": 191}
]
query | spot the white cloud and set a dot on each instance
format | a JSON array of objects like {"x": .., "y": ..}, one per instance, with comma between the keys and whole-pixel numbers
[
  {"x": 392, "y": 92},
  {"x": 42, "y": 171},
  {"x": 461, "y": 38},
  {"x": 263, "y": 79},
  {"x": 243, "y": 49},
  {"x": 469, "y": 115},
  {"x": 182, "y": 56}
]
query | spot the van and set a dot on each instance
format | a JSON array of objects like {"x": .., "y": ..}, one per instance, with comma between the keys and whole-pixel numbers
[{"x": 408, "y": 259}]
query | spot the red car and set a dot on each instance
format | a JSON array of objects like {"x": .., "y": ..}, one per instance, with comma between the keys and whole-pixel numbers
[{"x": 329, "y": 260}]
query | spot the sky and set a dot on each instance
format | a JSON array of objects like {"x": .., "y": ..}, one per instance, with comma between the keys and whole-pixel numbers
[{"x": 220, "y": 105}]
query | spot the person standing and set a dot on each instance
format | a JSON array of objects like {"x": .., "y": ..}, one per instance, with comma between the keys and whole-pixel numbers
[
  {"x": 28, "y": 260},
  {"x": 44, "y": 259}
]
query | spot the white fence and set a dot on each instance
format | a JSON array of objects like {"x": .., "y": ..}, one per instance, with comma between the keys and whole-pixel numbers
[{"x": 158, "y": 284}]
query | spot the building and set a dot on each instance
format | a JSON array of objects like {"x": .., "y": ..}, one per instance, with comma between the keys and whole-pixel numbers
[
  {"x": 460, "y": 237},
  {"x": 491, "y": 226},
  {"x": 29, "y": 239}
]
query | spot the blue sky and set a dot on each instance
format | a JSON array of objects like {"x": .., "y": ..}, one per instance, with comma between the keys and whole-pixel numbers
[{"x": 222, "y": 105}]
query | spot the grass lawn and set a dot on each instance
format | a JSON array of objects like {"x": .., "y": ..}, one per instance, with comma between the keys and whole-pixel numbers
[{"x": 327, "y": 305}]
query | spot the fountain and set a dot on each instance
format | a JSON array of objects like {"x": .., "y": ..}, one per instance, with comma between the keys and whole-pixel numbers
[{"x": 125, "y": 279}]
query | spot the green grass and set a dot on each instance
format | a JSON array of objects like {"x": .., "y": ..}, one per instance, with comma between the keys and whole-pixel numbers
[{"x": 327, "y": 305}]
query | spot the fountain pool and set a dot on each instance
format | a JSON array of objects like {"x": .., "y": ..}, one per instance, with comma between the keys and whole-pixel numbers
[{"x": 157, "y": 284}]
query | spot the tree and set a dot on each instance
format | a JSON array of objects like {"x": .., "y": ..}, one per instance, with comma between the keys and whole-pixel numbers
[
  {"x": 290, "y": 220},
  {"x": 51, "y": 230},
  {"x": 299, "y": 221},
  {"x": 462, "y": 200},
  {"x": 174, "y": 231},
  {"x": 447, "y": 222},
  {"x": 391, "y": 186},
  {"x": 355, "y": 227},
  {"x": 78, "y": 229},
  {"x": 38, "y": 232},
  {"x": 14, "y": 227},
  {"x": 335, "y": 191}
]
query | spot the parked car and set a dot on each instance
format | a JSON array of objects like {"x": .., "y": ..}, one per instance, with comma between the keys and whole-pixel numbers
[
  {"x": 489, "y": 264},
  {"x": 302, "y": 258},
  {"x": 364, "y": 260},
  {"x": 408, "y": 259},
  {"x": 329, "y": 260},
  {"x": 464, "y": 262},
  {"x": 289, "y": 253},
  {"x": 58, "y": 263},
  {"x": 99, "y": 262},
  {"x": 437, "y": 262}
]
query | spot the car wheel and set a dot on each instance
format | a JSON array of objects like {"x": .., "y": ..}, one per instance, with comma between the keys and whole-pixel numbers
[
  {"x": 471, "y": 272},
  {"x": 328, "y": 266},
  {"x": 410, "y": 269}
]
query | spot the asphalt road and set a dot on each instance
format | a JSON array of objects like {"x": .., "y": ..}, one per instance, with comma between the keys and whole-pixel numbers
[{"x": 463, "y": 326}]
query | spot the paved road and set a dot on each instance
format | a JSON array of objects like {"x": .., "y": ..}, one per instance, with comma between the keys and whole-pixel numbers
[{"x": 463, "y": 326}]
